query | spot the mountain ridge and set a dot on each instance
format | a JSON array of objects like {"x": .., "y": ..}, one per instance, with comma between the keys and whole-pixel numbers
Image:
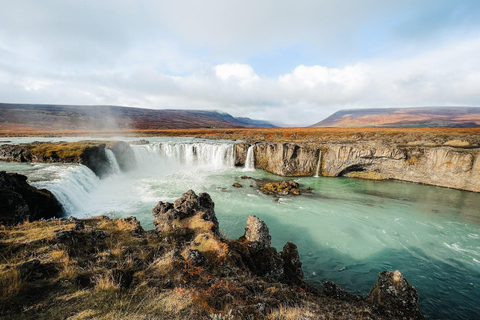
[
  {"x": 95, "y": 117},
  {"x": 418, "y": 117}
]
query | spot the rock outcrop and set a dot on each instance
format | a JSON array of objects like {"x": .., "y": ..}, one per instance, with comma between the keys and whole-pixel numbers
[
  {"x": 394, "y": 297},
  {"x": 440, "y": 165},
  {"x": 188, "y": 211},
  {"x": 280, "y": 188},
  {"x": 241, "y": 150},
  {"x": 89, "y": 153},
  {"x": 19, "y": 201}
]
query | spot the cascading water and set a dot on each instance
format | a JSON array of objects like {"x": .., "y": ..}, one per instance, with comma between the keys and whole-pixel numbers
[
  {"x": 72, "y": 185},
  {"x": 250, "y": 160},
  {"x": 212, "y": 155},
  {"x": 317, "y": 172},
  {"x": 114, "y": 167}
]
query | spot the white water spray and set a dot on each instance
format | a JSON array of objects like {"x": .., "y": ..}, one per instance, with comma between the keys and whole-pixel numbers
[
  {"x": 190, "y": 154},
  {"x": 250, "y": 160},
  {"x": 114, "y": 167},
  {"x": 319, "y": 163},
  {"x": 72, "y": 186}
]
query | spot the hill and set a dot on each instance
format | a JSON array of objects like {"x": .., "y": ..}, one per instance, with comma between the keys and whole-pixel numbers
[
  {"x": 427, "y": 117},
  {"x": 63, "y": 117}
]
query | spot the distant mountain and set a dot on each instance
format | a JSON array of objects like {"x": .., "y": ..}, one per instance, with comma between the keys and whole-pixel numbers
[
  {"x": 427, "y": 117},
  {"x": 62, "y": 117}
]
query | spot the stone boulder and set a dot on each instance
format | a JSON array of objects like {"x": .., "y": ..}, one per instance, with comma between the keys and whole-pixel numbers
[
  {"x": 281, "y": 188},
  {"x": 394, "y": 297},
  {"x": 169, "y": 216},
  {"x": 19, "y": 201}
]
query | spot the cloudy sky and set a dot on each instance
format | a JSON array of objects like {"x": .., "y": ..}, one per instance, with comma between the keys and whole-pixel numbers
[{"x": 293, "y": 62}]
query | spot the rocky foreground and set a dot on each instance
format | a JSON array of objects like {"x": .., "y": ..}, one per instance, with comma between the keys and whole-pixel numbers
[{"x": 101, "y": 268}]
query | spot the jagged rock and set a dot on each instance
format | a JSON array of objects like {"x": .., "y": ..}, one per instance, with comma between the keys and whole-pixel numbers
[
  {"x": 236, "y": 185},
  {"x": 125, "y": 156},
  {"x": 197, "y": 257},
  {"x": 168, "y": 215},
  {"x": 257, "y": 233},
  {"x": 292, "y": 265},
  {"x": 330, "y": 289},
  {"x": 19, "y": 201},
  {"x": 393, "y": 296},
  {"x": 280, "y": 188}
]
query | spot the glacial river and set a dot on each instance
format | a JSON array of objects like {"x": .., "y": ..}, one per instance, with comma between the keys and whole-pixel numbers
[{"x": 347, "y": 230}]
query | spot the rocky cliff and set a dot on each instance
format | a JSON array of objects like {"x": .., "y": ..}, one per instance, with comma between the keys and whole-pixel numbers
[
  {"x": 184, "y": 269},
  {"x": 452, "y": 165},
  {"x": 89, "y": 153},
  {"x": 20, "y": 202}
]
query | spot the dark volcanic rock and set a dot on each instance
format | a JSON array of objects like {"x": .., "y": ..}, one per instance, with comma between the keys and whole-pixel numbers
[
  {"x": 125, "y": 156},
  {"x": 96, "y": 159},
  {"x": 393, "y": 296},
  {"x": 292, "y": 267},
  {"x": 167, "y": 215},
  {"x": 20, "y": 201}
]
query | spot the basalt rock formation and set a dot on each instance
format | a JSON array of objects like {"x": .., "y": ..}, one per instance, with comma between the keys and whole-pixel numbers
[
  {"x": 184, "y": 269},
  {"x": 453, "y": 164},
  {"x": 89, "y": 153},
  {"x": 20, "y": 202}
]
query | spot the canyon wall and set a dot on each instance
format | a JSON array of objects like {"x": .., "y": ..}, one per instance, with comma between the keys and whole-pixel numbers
[{"x": 446, "y": 166}]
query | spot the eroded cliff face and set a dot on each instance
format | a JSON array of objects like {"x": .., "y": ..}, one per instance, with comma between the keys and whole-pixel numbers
[
  {"x": 286, "y": 159},
  {"x": 446, "y": 166}
]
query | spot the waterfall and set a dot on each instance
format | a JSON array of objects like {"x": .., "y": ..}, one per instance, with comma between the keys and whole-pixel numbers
[
  {"x": 216, "y": 155},
  {"x": 319, "y": 163},
  {"x": 71, "y": 186},
  {"x": 250, "y": 160},
  {"x": 114, "y": 167}
]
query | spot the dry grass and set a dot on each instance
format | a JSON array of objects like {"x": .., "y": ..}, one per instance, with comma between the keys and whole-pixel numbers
[
  {"x": 10, "y": 283},
  {"x": 292, "y": 313}
]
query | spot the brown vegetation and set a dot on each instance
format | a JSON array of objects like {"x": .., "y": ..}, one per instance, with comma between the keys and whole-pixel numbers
[{"x": 297, "y": 135}]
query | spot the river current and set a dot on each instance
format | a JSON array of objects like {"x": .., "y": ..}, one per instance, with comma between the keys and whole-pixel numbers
[{"x": 347, "y": 230}]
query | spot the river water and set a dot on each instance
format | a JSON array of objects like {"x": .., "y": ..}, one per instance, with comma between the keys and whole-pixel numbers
[{"x": 347, "y": 230}]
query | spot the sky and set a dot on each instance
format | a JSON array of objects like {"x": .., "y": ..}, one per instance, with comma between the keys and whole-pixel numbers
[{"x": 291, "y": 62}]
